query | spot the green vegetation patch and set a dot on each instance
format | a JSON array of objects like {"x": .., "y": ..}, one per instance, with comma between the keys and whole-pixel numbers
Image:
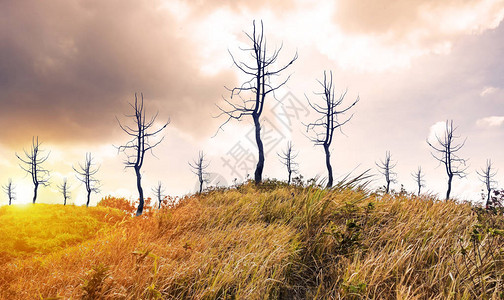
[{"x": 43, "y": 228}]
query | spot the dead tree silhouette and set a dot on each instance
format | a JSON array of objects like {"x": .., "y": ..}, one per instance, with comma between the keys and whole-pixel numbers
[
  {"x": 198, "y": 168},
  {"x": 64, "y": 190},
  {"x": 486, "y": 176},
  {"x": 385, "y": 168},
  {"x": 446, "y": 151},
  {"x": 9, "y": 191},
  {"x": 158, "y": 190},
  {"x": 323, "y": 128},
  {"x": 139, "y": 144},
  {"x": 33, "y": 166},
  {"x": 287, "y": 159},
  {"x": 418, "y": 176},
  {"x": 86, "y": 173},
  {"x": 258, "y": 87}
]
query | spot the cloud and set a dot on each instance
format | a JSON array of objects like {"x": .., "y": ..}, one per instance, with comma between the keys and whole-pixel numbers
[
  {"x": 488, "y": 90},
  {"x": 423, "y": 19},
  {"x": 68, "y": 67},
  {"x": 436, "y": 130},
  {"x": 395, "y": 32},
  {"x": 493, "y": 121}
]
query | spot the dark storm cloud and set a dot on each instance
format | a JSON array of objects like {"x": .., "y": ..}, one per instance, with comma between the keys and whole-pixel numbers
[{"x": 68, "y": 67}]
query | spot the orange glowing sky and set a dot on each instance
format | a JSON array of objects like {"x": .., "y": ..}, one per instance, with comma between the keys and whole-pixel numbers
[{"x": 68, "y": 67}]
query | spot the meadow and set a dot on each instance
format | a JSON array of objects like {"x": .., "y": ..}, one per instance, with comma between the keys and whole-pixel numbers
[{"x": 271, "y": 241}]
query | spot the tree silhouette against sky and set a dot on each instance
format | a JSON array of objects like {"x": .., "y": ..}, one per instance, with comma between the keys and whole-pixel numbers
[
  {"x": 330, "y": 111},
  {"x": 254, "y": 91},
  {"x": 140, "y": 143}
]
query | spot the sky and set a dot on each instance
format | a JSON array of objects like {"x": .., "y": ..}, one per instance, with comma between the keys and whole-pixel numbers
[{"x": 69, "y": 68}]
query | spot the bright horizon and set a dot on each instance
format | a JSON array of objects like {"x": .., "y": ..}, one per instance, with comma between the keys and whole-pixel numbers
[{"x": 68, "y": 68}]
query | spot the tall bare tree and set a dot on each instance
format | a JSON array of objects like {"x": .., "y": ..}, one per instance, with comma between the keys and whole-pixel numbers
[
  {"x": 418, "y": 176},
  {"x": 140, "y": 143},
  {"x": 261, "y": 71},
  {"x": 330, "y": 111},
  {"x": 287, "y": 159},
  {"x": 385, "y": 168},
  {"x": 64, "y": 189},
  {"x": 198, "y": 168},
  {"x": 158, "y": 190},
  {"x": 9, "y": 191},
  {"x": 86, "y": 173},
  {"x": 445, "y": 151},
  {"x": 486, "y": 176},
  {"x": 33, "y": 166}
]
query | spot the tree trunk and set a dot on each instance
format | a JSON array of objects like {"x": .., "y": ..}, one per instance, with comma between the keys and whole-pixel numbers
[
  {"x": 419, "y": 187},
  {"x": 200, "y": 186},
  {"x": 289, "y": 180},
  {"x": 488, "y": 199},
  {"x": 388, "y": 187},
  {"x": 35, "y": 193},
  {"x": 328, "y": 165},
  {"x": 260, "y": 162},
  {"x": 64, "y": 202},
  {"x": 88, "y": 197},
  {"x": 450, "y": 177},
  {"x": 140, "y": 192}
]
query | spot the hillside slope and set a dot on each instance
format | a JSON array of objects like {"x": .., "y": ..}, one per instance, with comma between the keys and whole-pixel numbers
[{"x": 277, "y": 242}]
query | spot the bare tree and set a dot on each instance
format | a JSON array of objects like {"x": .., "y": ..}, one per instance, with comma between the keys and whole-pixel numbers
[
  {"x": 158, "y": 190},
  {"x": 140, "y": 143},
  {"x": 257, "y": 88},
  {"x": 418, "y": 176},
  {"x": 385, "y": 168},
  {"x": 445, "y": 151},
  {"x": 9, "y": 190},
  {"x": 486, "y": 176},
  {"x": 198, "y": 168},
  {"x": 323, "y": 127},
  {"x": 33, "y": 166},
  {"x": 287, "y": 159},
  {"x": 64, "y": 189},
  {"x": 86, "y": 173}
]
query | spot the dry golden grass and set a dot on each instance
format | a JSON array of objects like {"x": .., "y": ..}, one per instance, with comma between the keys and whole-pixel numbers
[{"x": 277, "y": 242}]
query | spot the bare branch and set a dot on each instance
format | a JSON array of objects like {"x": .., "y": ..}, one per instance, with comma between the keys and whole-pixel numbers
[
  {"x": 198, "y": 168},
  {"x": 33, "y": 166},
  {"x": 322, "y": 129},
  {"x": 135, "y": 149},
  {"x": 445, "y": 152},
  {"x": 385, "y": 168}
]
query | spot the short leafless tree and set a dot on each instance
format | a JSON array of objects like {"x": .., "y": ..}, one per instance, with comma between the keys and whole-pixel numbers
[
  {"x": 32, "y": 164},
  {"x": 486, "y": 176},
  {"x": 141, "y": 133},
  {"x": 198, "y": 168},
  {"x": 253, "y": 92},
  {"x": 158, "y": 190},
  {"x": 287, "y": 159},
  {"x": 64, "y": 189},
  {"x": 86, "y": 173},
  {"x": 418, "y": 176},
  {"x": 385, "y": 168},
  {"x": 445, "y": 152},
  {"x": 9, "y": 191},
  {"x": 330, "y": 111}
]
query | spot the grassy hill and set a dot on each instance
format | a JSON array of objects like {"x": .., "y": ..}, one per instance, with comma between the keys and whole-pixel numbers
[{"x": 271, "y": 242}]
